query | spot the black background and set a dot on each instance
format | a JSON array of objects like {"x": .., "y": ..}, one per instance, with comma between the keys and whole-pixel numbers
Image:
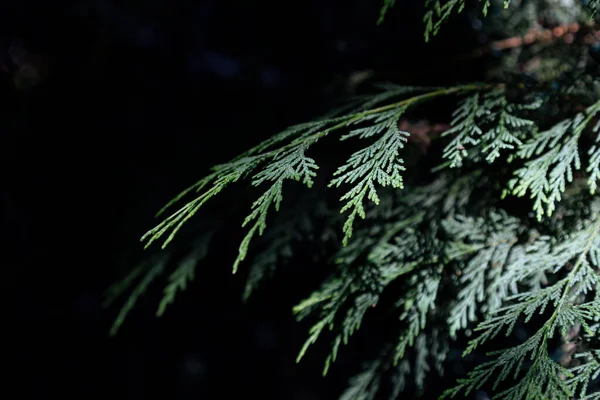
[{"x": 137, "y": 100}]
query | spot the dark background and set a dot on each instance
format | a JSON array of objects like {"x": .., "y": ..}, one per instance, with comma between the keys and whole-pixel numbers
[{"x": 132, "y": 102}]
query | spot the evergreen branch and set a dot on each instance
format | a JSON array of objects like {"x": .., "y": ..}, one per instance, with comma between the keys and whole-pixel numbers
[
  {"x": 465, "y": 128},
  {"x": 332, "y": 296},
  {"x": 118, "y": 288},
  {"x": 582, "y": 375},
  {"x": 196, "y": 186},
  {"x": 542, "y": 379},
  {"x": 430, "y": 351},
  {"x": 223, "y": 176},
  {"x": 387, "y": 5},
  {"x": 482, "y": 277},
  {"x": 455, "y": 258},
  {"x": 378, "y": 163},
  {"x": 546, "y": 176},
  {"x": 290, "y": 164},
  {"x": 438, "y": 12},
  {"x": 399, "y": 379},
  {"x": 390, "y": 91},
  {"x": 505, "y": 128},
  {"x": 430, "y": 348},
  {"x": 301, "y": 168},
  {"x": 359, "y": 116},
  {"x": 593, "y": 6},
  {"x": 277, "y": 246},
  {"x": 184, "y": 273},
  {"x": 365, "y": 385},
  {"x": 362, "y": 284},
  {"x": 594, "y": 164},
  {"x": 416, "y": 304},
  {"x": 156, "y": 267}
]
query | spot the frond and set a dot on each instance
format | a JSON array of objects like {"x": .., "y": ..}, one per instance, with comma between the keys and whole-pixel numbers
[
  {"x": 378, "y": 163},
  {"x": 593, "y": 6},
  {"x": 448, "y": 252},
  {"x": 365, "y": 385},
  {"x": 184, "y": 273},
  {"x": 283, "y": 158},
  {"x": 542, "y": 379},
  {"x": 585, "y": 373},
  {"x": 553, "y": 156},
  {"x": 438, "y": 12},
  {"x": 291, "y": 164},
  {"x": 487, "y": 124},
  {"x": 151, "y": 269},
  {"x": 486, "y": 243},
  {"x": 593, "y": 168},
  {"x": 380, "y": 255},
  {"x": 387, "y": 4},
  {"x": 418, "y": 301}
]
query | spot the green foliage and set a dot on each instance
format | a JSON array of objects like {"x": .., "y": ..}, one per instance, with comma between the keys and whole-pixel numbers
[
  {"x": 416, "y": 304},
  {"x": 289, "y": 164},
  {"x": 184, "y": 273},
  {"x": 360, "y": 286},
  {"x": 493, "y": 113},
  {"x": 149, "y": 271},
  {"x": 378, "y": 163},
  {"x": 450, "y": 253},
  {"x": 404, "y": 246},
  {"x": 387, "y": 4},
  {"x": 365, "y": 385},
  {"x": 440, "y": 11},
  {"x": 483, "y": 278},
  {"x": 553, "y": 155},
  {"x": 543, "y": 377},
  {"x": 587, "y": 370},
  {"x": 593, "y": 6}
]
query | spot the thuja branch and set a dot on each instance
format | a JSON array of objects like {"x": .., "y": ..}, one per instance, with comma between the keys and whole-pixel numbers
[
  {"x": 566, "y": 295},
  {"x": 283, "y": 157},
  {"x": 455, "y": 255},
  {"x": 350, "y": 119}
]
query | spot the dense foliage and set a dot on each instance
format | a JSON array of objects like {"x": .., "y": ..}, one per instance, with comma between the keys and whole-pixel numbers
[{"x": 502, "y": 232}]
